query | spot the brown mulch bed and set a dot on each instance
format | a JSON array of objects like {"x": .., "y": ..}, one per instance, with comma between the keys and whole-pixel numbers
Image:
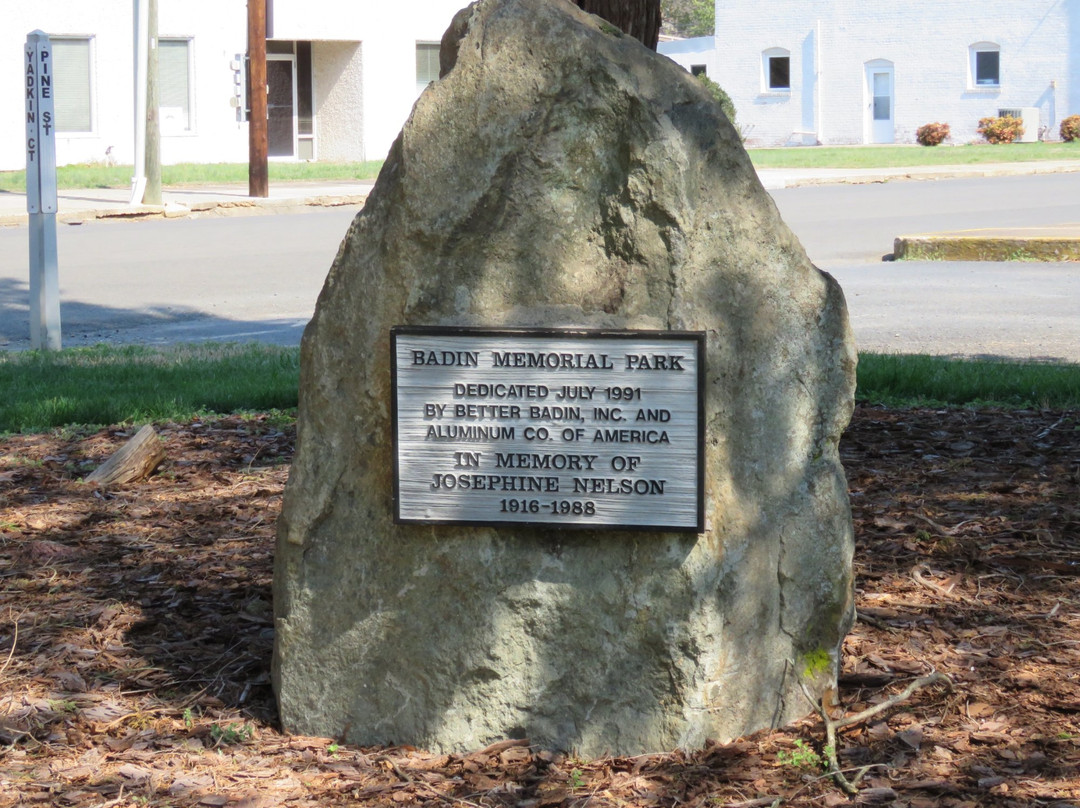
[{"x": 136, "y": 631}]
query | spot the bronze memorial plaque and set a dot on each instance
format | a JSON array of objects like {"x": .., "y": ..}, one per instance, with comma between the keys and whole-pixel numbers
[{"x": 584, "y": 429}]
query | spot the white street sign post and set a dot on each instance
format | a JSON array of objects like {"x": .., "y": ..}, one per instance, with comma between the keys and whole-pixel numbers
[{"x": 41, "y": 193}]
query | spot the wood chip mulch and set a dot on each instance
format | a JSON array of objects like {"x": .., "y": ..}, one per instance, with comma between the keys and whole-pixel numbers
[{"x": 136, "y": 631}]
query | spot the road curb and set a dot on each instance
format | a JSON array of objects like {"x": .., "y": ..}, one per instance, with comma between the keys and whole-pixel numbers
[
  {"x": 173, "y": 210},
  {"x": 986, "y": 248}
]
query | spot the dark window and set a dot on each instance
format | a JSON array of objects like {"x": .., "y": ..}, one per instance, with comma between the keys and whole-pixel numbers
[
  {"x": 779, "y": 72},
  {"x": 987, "y": 68},
  {"x": 697, "y": 70},
  {"x": 305, "y": 116}
]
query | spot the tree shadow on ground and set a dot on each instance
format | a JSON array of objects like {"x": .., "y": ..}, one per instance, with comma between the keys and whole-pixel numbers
[
  {"x": 144, "y": 633},
  {"x": 89, "y": 324},
  {"x": 162, "y": 584}
]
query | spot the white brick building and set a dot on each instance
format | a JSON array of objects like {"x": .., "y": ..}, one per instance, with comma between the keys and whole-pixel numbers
[
  {"x": 842, "y": 71},
  {"x": 342, "y": 76}
]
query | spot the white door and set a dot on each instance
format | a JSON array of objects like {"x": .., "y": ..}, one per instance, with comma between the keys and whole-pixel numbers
[{"x": 879, "y": 86}]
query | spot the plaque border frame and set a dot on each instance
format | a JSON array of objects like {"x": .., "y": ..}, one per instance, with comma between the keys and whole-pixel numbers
[{"x": 698, "y": 337}]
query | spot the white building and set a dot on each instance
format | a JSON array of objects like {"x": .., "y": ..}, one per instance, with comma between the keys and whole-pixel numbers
[
  {"x": 842, "y": 71},
  {"x": 342, "y": 76}
]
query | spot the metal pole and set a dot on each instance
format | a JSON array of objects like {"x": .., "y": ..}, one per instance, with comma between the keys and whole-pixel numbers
[
  {"x": 258, "y": 167},
  {"x": 141, "y": 35},
  {"x": 41, "y": 194}
]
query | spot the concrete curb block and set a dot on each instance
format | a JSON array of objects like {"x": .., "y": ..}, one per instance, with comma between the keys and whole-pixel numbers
[{"x": 986, "y": 248}]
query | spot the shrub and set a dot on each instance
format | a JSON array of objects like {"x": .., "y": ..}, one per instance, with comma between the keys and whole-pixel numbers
[
  {"x": 932, "y": 134},
  {"x": 721, "y": 97},
  {"x": 1005, "y": 129},
  {"x": 1070, "y": 128}
]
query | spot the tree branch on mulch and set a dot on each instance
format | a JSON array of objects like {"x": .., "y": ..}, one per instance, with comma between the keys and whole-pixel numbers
[
  {"x": 916, "y": 574},
  {"x": 11, "y": 653},
  {"x": 832, "y": 725},
  {"x": 134, "y": 461}
]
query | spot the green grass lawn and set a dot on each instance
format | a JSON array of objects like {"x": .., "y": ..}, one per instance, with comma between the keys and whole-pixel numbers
[
  {"x": 94, "y": 175},
  {"x": 101, "y": 176},
  {"x": 915, "y": 380},
  {"x": 105, "y": 385}
]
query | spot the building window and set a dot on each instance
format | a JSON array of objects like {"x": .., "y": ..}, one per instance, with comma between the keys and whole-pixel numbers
[
  {"x": 305, "y": 107},
  {"x": 174, "y": 85},
  {"x": 986, "y": 65},
  {"x": 427, "y": 65},
  {"x": 987, "y": 68},
  {"x": 697, "y": 70},
  {"x": 73, "y": 101},
  {"x": 776, "y": 70}
]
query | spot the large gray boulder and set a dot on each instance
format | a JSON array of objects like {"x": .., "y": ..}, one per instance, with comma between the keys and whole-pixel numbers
[{"x": 560, "y": 174}]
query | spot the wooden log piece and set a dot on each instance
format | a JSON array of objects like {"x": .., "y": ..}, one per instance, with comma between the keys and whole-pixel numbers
[{"x": 134, "y": 461}]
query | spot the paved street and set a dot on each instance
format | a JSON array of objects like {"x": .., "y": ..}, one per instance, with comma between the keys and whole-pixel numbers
[
  {"x": 257, "y": 277},
  {"x": 227, "y": 279},
  {"x": 844, "y": 222},
  {"x": 1011, "y": 309}
]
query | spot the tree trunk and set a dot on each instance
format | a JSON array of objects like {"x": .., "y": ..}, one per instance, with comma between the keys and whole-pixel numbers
[{"x": 638, "y": 18}]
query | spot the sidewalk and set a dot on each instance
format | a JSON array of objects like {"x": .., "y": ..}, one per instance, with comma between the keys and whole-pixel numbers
[
  {"x": 773, "y": 178},
  {"x": 84, "y": 204},
  {"x": 1060, "y": 243}
]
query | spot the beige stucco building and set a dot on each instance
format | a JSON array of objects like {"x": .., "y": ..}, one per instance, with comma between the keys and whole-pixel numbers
[{"x": 342, "y": 76}]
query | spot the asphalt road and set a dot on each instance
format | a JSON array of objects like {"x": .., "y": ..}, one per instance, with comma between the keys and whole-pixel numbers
[
  {"x": 257, "y": 277},
  {"x": 235, "y": 278},
  {"x": 857, "y": 223},
  {"x": 1018, "y": 310}
]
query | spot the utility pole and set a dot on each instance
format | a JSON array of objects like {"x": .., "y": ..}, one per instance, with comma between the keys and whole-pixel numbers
[
  {"x": 258, "y": 168},
  {"x": 152, "y": 195}
]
